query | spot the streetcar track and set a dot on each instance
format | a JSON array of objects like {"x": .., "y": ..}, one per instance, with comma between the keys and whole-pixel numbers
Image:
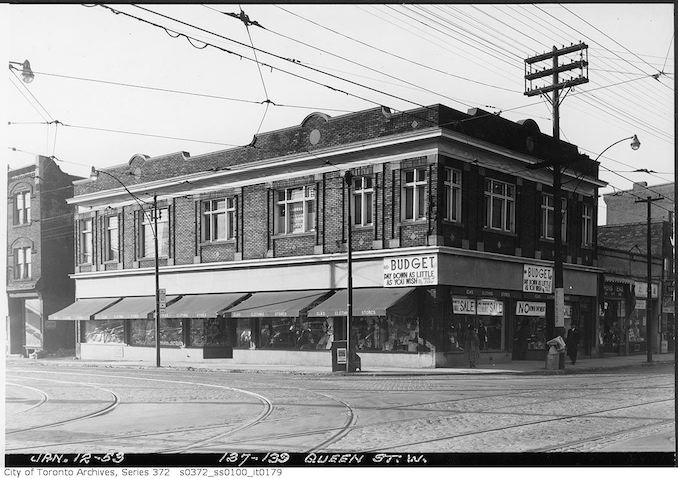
[{"x": 43, "y": 396}]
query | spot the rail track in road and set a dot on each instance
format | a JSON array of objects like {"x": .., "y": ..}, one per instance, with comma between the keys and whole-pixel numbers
[{"x": 43, "y": 396}]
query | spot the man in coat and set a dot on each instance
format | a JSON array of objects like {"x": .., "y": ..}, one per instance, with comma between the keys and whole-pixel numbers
[{"x": 572, "y": 343}]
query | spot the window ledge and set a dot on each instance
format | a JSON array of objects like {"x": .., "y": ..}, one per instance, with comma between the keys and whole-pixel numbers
[
  {"x": 294, "y": 234},
  {"x": 497, "y": 231},
  {"x": 366, "y": 227},
  {"x": 407, "y": 222},
  {"x": 217, "y": 243}
]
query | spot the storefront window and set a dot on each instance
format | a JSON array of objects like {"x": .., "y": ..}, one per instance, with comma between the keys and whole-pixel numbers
[
  {"x": 143, "y": 332},
  {"x": 290, "y": 333},
  {"x": 529, "y": 336},
  {"x": 243, "y": 333},
  {"x": 203, "y": 332},
  {"x": 103, "y": 332},
  {"x": 485, "y": 316},
  {"x": 388, "y": 334}
]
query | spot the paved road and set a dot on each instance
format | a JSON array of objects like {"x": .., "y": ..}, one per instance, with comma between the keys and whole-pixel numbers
[{"x": 99, "y": 409}]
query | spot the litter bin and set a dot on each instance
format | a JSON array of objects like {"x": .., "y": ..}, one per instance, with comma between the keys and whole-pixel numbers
[
  {"x": 339, "y": 356},
  {"x": 555, "y": 358}
]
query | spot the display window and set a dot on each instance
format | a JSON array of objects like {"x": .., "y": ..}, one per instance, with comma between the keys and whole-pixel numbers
[
  {"x": 294, "y": 333},
  {"x": 143, "y": 332},
  {"x": 529, "y": 336},
  {"x": 103, "y": 331},
  {"x": 485, "y": 316},
  {"x": 203, "y": 332},
  {"x": 388, "y": 334}
]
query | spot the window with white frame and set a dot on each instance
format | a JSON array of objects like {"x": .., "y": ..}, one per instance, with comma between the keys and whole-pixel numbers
[
  {"x": 22, "y": 263},
  {"x": 363, "y": 201},
  {"x": 22, "y": 207},
  {"x": 500, "y": 204},
  {"x": 111, "y": 238},
  {"x": 218, "y": 219},
  {"x": 147, "y": 236},
  {"x": 295, "y": 210},
  {"x": 587, "y": 225},
  {"x": 86, "y": 244},
  {"x": 414, "y": 189},
  {"x": 452, "y": 195},
  {"x": 548, "y": 217}
]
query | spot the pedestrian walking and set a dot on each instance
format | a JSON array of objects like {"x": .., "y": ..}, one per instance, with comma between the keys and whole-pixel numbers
[
  {"x": 572, "y": 343},
  {"x": 471, "y": 347}
]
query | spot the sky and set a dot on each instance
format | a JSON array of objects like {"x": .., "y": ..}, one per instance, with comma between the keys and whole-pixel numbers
[{"x": 329, "y": 58}]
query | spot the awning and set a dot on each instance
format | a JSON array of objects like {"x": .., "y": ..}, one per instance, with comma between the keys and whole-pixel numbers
[
  {"x": 201, "y": 306},
  {"x": 275, "y": 304},
  {"x": 368, "y": 302},
  {"x": 83, "y": 309},
  {"x": 133, "y": 308}
]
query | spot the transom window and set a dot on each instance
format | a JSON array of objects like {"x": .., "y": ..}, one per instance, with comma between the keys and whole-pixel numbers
[
  {"x": 500, "y": 200},
  {"x": 295, "y": 210},
  {"x": 22, "y": 263},
  {"x": 22, "y": 208},
  {"x": 363, "y": 201},
  {"x": 86, "y": 244},
  {"x": 548, "y": 217},
  {"x": 587, "y": 224},
  {"x": 111, "y": 238},
  {"x": 218, "y": 222},
  {"x": 415, "y": 194},
  {"x": 147, "y": 237},
  {"x": 452, "y": 195}
]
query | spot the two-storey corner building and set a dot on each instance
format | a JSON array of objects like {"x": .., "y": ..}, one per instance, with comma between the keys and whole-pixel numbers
[
  {"x": 449, "y": 228},
  {"x": 39, "y": 258}
]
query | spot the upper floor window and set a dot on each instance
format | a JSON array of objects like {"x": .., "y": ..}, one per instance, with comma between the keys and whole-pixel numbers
[
  {"x": 22, "y": 208},
  {"x": 415, "y": 194},
  {"x": 500, "y": 203},
  {"x": 86, "y": 244},
  {"x": 548, "y": 217},
  {"x": 148, "y": 238},
  {"x": 363, "y": 201},
  {"x": 22, "y": 263},
  {"x": 452, "y": 195},
  {"x": 218, "y": 219},
  {"x": 111, "y": 238},
  {"x": 587, "y": 225},
  {"x": 295, "y": 210}
]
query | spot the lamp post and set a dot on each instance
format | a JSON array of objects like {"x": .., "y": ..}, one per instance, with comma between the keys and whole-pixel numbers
[
  {"x": 94, "y": 175},
  {"x": 348, "y": 177},
  {"x": 27, "y": 74}
]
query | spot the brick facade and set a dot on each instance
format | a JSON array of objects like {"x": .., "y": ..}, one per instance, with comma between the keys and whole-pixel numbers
[{"x": 622, "y": 207}]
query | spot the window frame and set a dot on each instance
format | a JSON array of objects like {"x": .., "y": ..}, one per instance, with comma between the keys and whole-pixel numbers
[
  {"x": 210, "y": 233},
  {"x": 418, "y": 188},
  {"x": 452, "y": 194},
  {"x": 110, "y": 254},
  {"x": 365, "y": 191},
  {"x": 489, "y": 196},
  {"x": 587, "y": 225},
  {"x": 283, "y": 208},
  {"x": 548, "y": 211},
  {"x": 23, "y": 269},
  {"x": 86, "y": 233},
  {"x": 22, "y": 215},
  {"x": 146, "y": 221}
]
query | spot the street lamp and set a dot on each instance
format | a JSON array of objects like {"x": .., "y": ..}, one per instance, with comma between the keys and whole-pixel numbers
[
  {"x": 94, "y": 174},
  {"x": 26, "y": 72}
]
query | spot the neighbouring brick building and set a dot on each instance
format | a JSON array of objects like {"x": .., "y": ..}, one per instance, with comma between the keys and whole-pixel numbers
[
  {"x": 39, "y": 257},
  {"x": 622, "y": 254},
  {"x": 450, "y": 230}
]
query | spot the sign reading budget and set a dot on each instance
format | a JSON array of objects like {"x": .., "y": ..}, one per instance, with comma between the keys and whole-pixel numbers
[
  {"x": 537, "y": 279},
  {"x": 410, "y": 271}
]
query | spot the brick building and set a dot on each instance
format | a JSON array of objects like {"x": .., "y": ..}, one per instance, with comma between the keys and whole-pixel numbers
[
  {"x": 450, "y": 229},
  {"x": 622, "y": 254},
  {"x": 39, "y": 257}
]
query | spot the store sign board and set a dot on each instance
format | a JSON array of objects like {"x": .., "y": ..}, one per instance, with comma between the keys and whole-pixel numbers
[
  {"x": 613, "y": 290},
  {"x": 641, "y": 289},
  {"x": 536, "y": 309},
  {"x": 410, "y": 271},
  {"x": 490, "y": 307},
  {"x": 568, "y": 312},
  {"x": 462, "y": 305},
  {"x": 641, "y": 304},
  {"x": 537, "y": 279}
]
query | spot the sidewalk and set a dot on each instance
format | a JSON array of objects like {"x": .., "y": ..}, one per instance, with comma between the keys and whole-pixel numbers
[{"x": 224, "y": 365}]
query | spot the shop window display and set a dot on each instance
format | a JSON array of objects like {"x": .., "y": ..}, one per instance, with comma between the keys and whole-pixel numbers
[
  {"x": 388, "y": 334},
  {"x": 103, "y": 332},
  {"x": 294, "y": 333},
  {"x": 203, "y": 332},
  {"x": 143, "y": 332},
  {"x": 488, "y": 328}
]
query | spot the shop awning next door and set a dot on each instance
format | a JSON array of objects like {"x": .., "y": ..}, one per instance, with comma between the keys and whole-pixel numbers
[
  {"x": 133, "y": 308},
  {"x": 275, "y": 304},
  {"x": 83, "y": 309},
  {"x": 369, "y": 302},
  {"x": 201, "y": 306}
]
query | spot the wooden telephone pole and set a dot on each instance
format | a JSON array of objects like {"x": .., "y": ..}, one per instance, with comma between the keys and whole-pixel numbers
[{"x": 533, "y": 73}]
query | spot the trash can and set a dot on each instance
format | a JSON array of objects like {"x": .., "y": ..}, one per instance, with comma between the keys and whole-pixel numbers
[
  {"x": 555, "y": 358},
  {"x": 339, "y": 356}
]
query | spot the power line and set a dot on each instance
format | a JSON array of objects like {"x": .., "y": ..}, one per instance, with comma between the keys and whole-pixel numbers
[
  {"x": 32, "y": 95},
  {"x": 28, "y": 100}
]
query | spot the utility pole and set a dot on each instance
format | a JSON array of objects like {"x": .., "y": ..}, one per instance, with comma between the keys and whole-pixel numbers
[
  {"x": 648, "y": 307},
  {"x": 348, "y": 178},
  {"x": 556, "y": 162}
]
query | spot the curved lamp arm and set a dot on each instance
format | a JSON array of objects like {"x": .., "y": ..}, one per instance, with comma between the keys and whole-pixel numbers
[{"x": 635, "y": 144}]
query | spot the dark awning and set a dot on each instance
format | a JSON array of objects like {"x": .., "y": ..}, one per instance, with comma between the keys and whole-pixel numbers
[
  {"x": 367, "y": 302},
  {"x": 201, "y": 306},
  {"x": 83, "y": 309},
  {"x": 276, "y": 304},
  {"x": 133, "y": 308}
]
